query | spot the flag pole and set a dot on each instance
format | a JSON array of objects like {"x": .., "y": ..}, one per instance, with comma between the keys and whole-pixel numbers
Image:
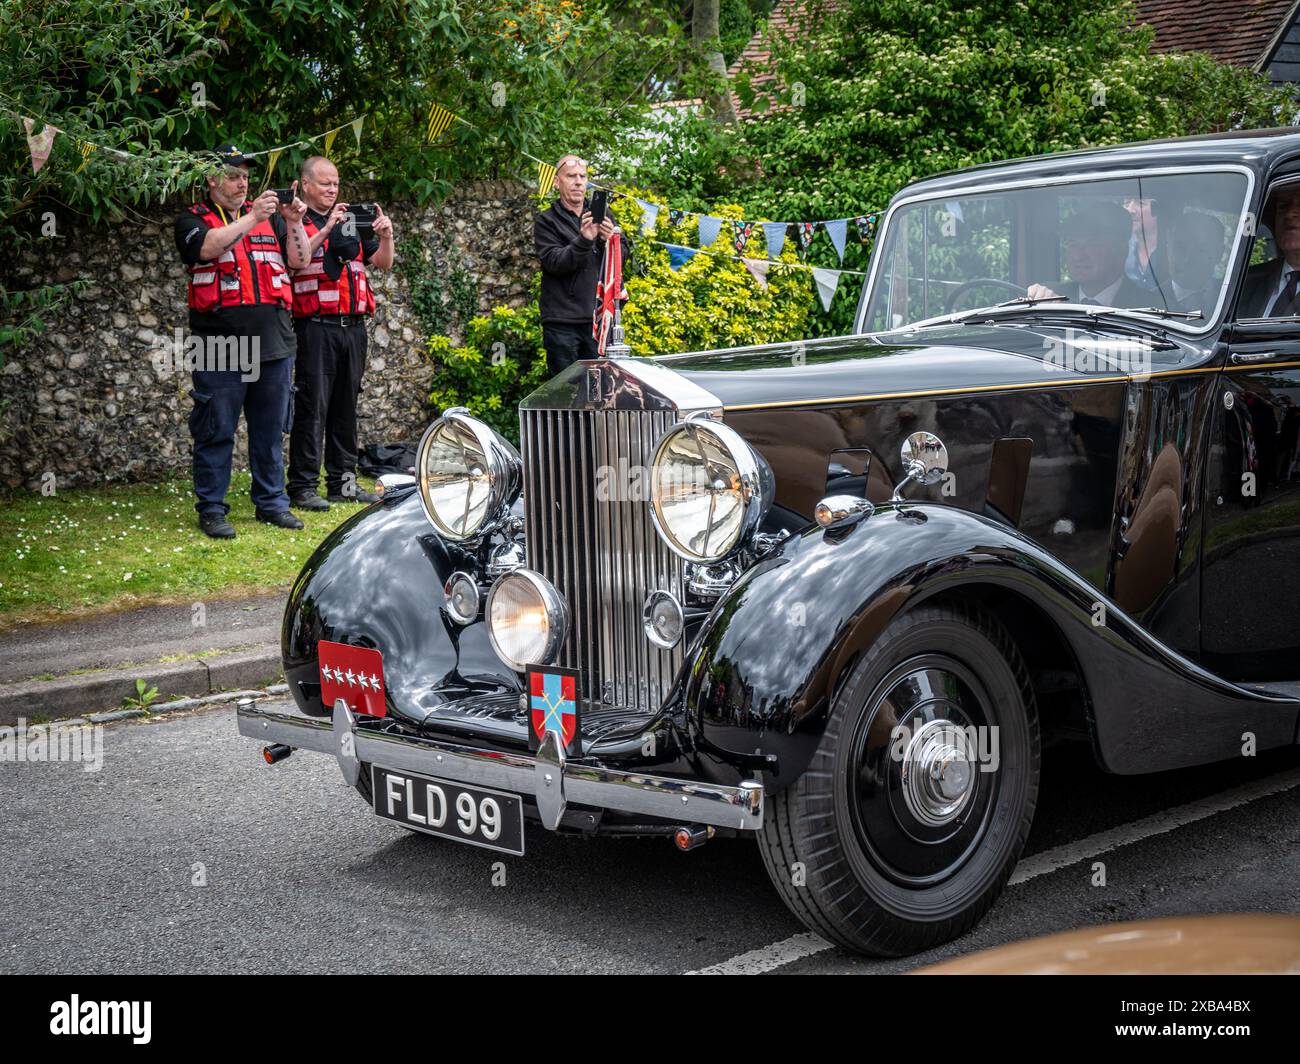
[{"x": 616, "y": 348}]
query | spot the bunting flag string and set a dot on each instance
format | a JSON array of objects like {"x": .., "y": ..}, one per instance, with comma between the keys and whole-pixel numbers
[
  {"x": 39, "y": 144},
  {"x": 827, "y": 281},
  {"x": 545, "y": 178},
  {"x": 708, "y": 227},
  {"x": 776, "y": 232},
  {"x": 271, "y": 159},
  {"x": 758, "y": 267},
  {"x": 837, "y": 229},
  {"x": 740, "y": 231},
  {"x": 439, "y": 119}
]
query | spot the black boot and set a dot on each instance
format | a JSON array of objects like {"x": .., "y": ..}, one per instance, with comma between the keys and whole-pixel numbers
[
  {"x": 216, "y": 526},
  {"x": 309, "y": 500},
  {"x": 358, "y": 495},
  {"x": 281, "y": 519}
]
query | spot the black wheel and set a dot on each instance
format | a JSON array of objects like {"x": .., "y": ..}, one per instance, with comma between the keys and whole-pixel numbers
[{"x": 917, "y": 802}]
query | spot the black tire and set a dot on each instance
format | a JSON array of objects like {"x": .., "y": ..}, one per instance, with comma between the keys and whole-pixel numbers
[{"x": 858, "y": 846}]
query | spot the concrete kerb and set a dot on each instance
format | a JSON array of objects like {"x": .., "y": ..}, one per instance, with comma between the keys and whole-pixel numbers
[
  {"x": 177, "y": 705},
  {"x": 101, "y": 694}
]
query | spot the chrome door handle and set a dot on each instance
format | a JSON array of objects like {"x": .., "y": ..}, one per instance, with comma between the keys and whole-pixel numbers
[{"x": 1240, "y": 358}]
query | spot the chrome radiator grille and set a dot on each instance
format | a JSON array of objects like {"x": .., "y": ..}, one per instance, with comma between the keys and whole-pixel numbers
[{"x": 598, "y": 547}]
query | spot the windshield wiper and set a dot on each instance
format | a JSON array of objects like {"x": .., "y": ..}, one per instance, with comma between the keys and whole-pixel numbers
[
  {"x": 1024, "y": 301},
  {"x": 1160, "y": 312},
  {"x": 1019, "y": 301}
]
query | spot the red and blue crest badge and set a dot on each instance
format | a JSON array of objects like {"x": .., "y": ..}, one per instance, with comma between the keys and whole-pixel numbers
[{"x": 553, "y": 706}]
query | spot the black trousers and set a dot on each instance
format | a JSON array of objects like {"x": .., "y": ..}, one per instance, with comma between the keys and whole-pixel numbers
[
  {"x": 331, "y": 360},
  {"x": 566, "y": 342}
]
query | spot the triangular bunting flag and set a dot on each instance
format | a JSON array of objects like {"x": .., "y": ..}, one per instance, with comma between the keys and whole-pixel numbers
[
  {"x": 740, "y": 231},
  {"x": 39, "y": 144},
  {"x": 803, "y": 232},
  {"x": 439, "y": 119},
  {"x": 649, "y": 214},
  {"x": 775, "y": 238},
  {"x": 545, "y": 178},
  {"x": 827, "y": 282},
  {"x": 678, "y": 255},
  {"x": 758, "y": 267},
  {"x": 710, "y": 227},
  {"x": 356, "y": 129},
  {"x": 273, "y": 157},
  {"x": 675, "y": 216},
  {"x": 87, "y": 150},
  {"x": 837, "y": 230},
  {"x": 329, "y": 139},
  {"x": 866, "y": 225}
]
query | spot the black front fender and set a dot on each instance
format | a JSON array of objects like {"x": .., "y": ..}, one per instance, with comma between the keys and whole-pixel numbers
[
  {"x": 377, "y": 581},
  {"x": 761, "y": 676}
]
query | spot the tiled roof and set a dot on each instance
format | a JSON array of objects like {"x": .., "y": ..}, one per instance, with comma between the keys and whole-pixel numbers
[
  {"x": 1232, "y": 31},
  {"x": 787, "y": 19}
]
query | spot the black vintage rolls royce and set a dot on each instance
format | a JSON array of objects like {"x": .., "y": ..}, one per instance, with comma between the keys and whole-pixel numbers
[{"x": 834, "y": 594}]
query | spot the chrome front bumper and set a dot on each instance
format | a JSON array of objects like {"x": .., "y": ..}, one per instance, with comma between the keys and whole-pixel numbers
[{"x": 547, "y": 777}]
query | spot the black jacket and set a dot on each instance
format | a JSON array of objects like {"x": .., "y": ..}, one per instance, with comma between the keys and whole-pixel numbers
[
  {"x": 570, "y": 265},
  {"x": 1129, "y": 293},
  {"x": 1262, "y": 280}
]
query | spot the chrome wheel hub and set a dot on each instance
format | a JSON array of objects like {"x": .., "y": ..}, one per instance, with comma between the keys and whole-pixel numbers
[{"x": 938, "y": 772}]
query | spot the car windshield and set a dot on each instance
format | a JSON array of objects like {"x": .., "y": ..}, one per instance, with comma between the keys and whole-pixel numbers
[{"x": 1158, "y": 241}]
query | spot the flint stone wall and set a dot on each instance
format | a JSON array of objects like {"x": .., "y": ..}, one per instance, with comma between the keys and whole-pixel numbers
[{"x": 86, "y": 402}]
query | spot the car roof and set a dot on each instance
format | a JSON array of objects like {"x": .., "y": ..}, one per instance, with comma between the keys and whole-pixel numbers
[{"x": 1258, "y": 149}]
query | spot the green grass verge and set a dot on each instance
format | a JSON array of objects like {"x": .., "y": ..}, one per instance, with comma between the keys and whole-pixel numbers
[{"x": 112, "y": 548}]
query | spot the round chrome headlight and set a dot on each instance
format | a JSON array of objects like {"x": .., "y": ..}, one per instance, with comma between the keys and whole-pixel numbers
[
  {"x": 462, "y": 598},
  {"x": 469, "y": 474},
  {"x": 709, "y": 490},
  {"x": 527, "y": 619},
  {"x": 662, "y": 619}
]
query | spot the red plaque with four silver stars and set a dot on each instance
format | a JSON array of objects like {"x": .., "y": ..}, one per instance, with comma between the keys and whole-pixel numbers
[{"x": 354, "y": 674}]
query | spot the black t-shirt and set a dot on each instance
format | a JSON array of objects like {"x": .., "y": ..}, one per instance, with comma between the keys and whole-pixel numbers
[{"x": 273, "y": 324}]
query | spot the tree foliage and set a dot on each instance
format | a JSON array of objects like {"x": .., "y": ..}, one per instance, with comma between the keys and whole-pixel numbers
[{"x": 880, "y": 93}]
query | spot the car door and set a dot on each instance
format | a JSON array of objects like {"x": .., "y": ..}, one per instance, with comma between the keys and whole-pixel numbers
[{"x": 1250, "y": 592}]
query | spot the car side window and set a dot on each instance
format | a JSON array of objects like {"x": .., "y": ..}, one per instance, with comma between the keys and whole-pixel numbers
[{"x": 1271, "y": 287}]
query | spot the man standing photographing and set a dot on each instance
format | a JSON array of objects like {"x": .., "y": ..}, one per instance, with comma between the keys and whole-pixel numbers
[
  {"x": 332, "y": 301},
  {"x": 237, "y": 253},
  {"x": 571, "y": 246}
]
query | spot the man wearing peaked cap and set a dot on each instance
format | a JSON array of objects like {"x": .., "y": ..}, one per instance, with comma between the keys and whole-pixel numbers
[{"x": 237, "y": 253}]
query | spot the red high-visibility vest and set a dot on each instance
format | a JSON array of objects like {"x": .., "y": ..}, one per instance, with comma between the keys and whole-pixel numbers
[
  {"x": 249, "y": 273},
  {"x": 314, "y": 293}
]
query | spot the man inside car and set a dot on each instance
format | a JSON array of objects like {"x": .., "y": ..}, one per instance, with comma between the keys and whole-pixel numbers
[
  {"x": 1272, "y": 287},
  {"x": 1096, "y": 242},
  {"x": 1195, "y": 248}
]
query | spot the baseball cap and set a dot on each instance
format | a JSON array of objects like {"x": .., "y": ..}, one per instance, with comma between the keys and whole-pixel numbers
[{"x": 229, "y": 155}]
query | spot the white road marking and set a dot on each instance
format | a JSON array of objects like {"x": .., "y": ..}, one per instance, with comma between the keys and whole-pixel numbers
[
  {"x": 758, "y": 961},
  {"x": 1164, "y": 821}
]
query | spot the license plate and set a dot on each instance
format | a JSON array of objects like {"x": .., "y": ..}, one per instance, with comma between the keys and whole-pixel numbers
[{"x": 491, "y": 819}]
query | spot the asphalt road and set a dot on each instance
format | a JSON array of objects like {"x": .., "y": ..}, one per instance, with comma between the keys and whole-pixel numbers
[{"x": 100, "y": 871}]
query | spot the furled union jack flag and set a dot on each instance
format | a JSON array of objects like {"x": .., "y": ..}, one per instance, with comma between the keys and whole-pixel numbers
[{"x": 609, "y": 290}]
